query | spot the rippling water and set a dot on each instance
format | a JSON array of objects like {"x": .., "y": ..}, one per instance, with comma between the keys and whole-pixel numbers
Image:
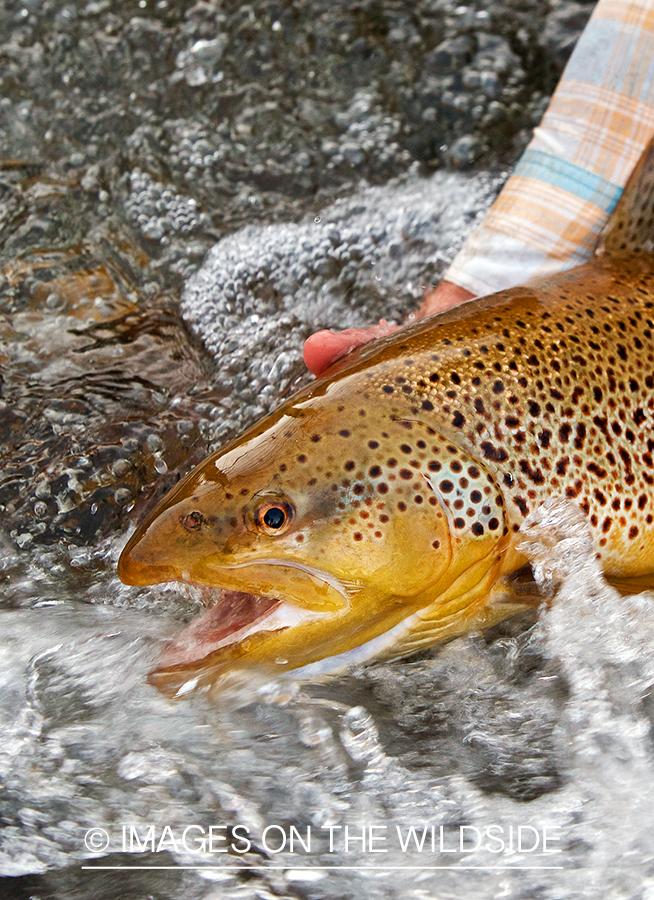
[
  {"x": 296, "y": 147},
  {"x": 533, "y": 729}
]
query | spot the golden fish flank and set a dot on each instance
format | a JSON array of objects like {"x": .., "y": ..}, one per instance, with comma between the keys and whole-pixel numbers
[{"x": 377, "y": 511}]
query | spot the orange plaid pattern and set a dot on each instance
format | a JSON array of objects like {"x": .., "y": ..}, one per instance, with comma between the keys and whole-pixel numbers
[{"x": 550, "y": 212}]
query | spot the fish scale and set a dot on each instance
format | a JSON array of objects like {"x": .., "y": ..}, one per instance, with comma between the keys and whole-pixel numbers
[
  {"x": 552, "y": 389},
  {"x": 379, "y": 510}
]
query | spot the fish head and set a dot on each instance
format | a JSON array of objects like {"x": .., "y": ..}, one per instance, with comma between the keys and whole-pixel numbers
[{"x": 323, "y": 531}]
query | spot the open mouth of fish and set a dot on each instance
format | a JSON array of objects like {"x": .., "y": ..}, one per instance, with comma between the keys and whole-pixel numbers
[{"x": 234, "y": 617}]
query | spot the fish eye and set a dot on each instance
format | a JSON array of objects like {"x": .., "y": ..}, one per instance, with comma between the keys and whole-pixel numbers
[{"x": 273, "y": 516}]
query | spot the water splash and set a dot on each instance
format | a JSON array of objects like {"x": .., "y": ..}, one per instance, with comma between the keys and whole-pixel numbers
[
  {"x": 558, "y": 709},
  {"x": 263, "y": 290}
]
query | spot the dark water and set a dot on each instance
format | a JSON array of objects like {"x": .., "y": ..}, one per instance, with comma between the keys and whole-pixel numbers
[{"x": 329, "y": 158}]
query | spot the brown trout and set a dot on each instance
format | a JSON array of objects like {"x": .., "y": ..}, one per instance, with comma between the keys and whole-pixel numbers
[{"x": 378, "y": 511}]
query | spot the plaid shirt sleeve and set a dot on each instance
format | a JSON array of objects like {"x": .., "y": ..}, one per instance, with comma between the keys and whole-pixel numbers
[{"x": 550, "y": 212}]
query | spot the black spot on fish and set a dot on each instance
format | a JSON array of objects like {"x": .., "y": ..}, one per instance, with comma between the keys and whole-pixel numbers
[
  {"x": 497, "y": 454},
  {"x": 534, "y": 475},
  {"x": 521, "y": 504},
  {"x": 580, "y": 436}
]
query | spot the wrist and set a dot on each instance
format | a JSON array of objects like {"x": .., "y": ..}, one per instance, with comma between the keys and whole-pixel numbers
[{"x": 444, "y": 296}]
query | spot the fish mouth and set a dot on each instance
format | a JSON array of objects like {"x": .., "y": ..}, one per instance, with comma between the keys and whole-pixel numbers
[{"x": 235, "y": 617}]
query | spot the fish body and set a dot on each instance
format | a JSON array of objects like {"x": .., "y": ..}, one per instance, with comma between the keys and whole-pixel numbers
[{"x": 378, "y": 511}]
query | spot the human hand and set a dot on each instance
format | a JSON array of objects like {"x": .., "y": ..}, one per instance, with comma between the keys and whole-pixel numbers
[{"x": 325, "y": 347}]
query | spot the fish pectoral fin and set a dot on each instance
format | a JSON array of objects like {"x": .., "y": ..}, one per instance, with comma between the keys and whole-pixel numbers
[
  {"x": 634, "y": 584},
  {"x": 476, "y": 610},
  {"x": 519, "y": 588},
  {"x": 424, "y": 629}
]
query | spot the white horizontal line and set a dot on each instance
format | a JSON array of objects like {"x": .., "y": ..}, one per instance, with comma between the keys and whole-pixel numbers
[{"x": 318, "y": 867}]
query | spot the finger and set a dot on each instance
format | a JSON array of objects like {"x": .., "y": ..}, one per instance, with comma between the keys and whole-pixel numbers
[{"x": 325, "y": 347}]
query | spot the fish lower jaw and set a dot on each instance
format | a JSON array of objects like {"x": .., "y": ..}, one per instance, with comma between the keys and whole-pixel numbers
[
  {"x": 376, "y": 649},
  {"x": 232, "y": 619}
]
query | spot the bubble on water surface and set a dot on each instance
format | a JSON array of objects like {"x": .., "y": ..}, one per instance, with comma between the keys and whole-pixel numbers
[{"x": 263, "y": 290}]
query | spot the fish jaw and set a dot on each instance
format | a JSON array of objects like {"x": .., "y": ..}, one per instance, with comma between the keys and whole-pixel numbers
[
  {"x": 235, "y": 617},
  {"x": 270, "y": 637},
  {"x": 271, "y": 616},
  {"x": 247, "y": 635}
]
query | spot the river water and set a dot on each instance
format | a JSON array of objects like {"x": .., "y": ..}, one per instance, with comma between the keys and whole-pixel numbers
[{"x": 188, "y": 190}]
